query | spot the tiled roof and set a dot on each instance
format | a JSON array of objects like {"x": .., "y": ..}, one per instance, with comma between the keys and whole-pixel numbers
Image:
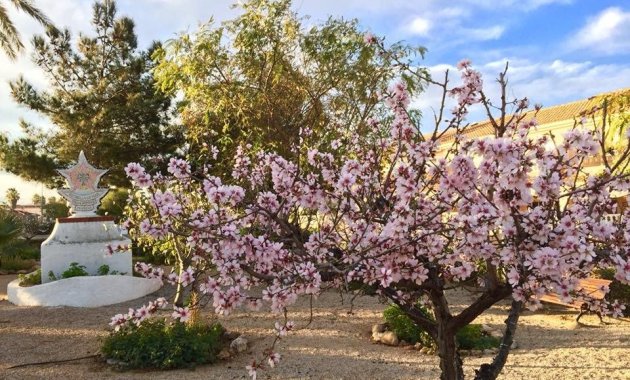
[{"x": 547, "y": 115}]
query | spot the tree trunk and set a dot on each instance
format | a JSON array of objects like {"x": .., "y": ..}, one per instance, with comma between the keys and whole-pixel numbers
[
  {"x": 492, "y": 371},
  {"x": 450, "y": 361}
]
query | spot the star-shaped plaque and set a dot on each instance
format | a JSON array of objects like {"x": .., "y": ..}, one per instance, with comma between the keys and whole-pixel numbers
[{"x": 83, "y": 194}]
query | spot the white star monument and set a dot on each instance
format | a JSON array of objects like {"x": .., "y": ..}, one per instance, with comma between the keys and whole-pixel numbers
[{"x": 83, "y": 193}]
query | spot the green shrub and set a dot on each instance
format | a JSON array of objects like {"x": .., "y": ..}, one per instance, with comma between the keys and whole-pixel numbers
[
  {"x": 404, "y": 327},
  {"x": 473, "y": 337},
  {"x": 14, "y": 264},
  {"x": 103, "y": 270},
  {"x": 22, "y": 249},
  {"x": 618, "y": 291},
  {"x": 469, "y": 337},
  {"x": 75, "y": 270},
  {"x": 31, "y": 279},
  {"x": 161, "y": 345}
]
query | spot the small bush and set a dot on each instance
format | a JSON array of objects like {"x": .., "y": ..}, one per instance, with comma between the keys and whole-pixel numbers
[
  {"x": 404, "y": 327},
  {"x": 103, "y": 270},
  {"x": 14, "y": 264},
  {"x": 473, "y": 337},
  {"x": 21, "y": 249},
  {"x": 75, "y": 270},
  {"x": 31, "y": 279},
  {"x": 469, "y": 337},
  {"x": 161, "y": 345}
]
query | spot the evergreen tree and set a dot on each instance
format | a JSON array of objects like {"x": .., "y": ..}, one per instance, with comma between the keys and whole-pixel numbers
[{"x": 102, "y": 99}]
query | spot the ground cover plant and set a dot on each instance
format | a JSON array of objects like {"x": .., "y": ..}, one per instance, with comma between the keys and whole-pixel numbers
[
  {"x": 469, "y": 337},
  {"x": 162, "y": 344}
]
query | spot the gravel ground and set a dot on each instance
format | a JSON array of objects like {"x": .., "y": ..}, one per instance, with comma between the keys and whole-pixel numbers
[{"x": 335, "y": 345}]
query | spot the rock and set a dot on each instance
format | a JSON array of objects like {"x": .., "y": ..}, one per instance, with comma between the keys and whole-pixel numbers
[
  {"x": 496, "y": 333},
  {"x": 389, "y": 338},
  {"x": 424, "y": 350},
  {"x": 514, "y": 345},
  {"x": 379, "y": 328},
  {"x": 418, "y": 346},
  {"x": 224, "y": 354},
  {"x": 239, "y": 344},
  {"x": 487, "y": 328},
  {"x": 376, "y": 336},
  {"x": 22, "y": 271},
  {"x": 404, "y": 343},
  {"x": 486, "y": 352}
]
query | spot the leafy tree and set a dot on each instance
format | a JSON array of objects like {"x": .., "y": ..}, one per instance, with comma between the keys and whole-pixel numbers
[
  {"x": 114, "y": 202},
  {"x": 262, "y": 77},
  {"x": 102, "y": 99},
  {"x": 55, "y": 208},
  {"x": 38, "y": 200},
  {"x": 12, "y": 196},
  {"x": 9, "y": 36}
]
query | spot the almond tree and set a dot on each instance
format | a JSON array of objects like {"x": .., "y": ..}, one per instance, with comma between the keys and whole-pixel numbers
[{"x": 408, "y": 212}]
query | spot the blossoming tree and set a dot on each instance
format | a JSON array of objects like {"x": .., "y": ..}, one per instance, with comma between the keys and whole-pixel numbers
[{"x": 407, "y": 210}]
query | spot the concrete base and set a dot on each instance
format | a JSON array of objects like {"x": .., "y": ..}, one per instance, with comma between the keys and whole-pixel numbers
[
  {"x": 84, "y": 241},
  {"x": 88, "y": 291}
]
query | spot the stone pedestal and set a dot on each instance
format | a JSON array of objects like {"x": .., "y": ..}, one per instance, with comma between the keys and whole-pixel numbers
[{"x": 84, "y": 241}]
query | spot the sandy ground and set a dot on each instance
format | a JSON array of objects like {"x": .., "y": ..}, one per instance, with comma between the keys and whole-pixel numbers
[{"x": 335, "y": 346}]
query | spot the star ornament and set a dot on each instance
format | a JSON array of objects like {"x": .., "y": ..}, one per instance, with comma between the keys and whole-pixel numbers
[{"x": 83, "y": 194}]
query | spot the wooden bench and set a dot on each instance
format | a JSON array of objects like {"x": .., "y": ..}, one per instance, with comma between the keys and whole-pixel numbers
[{"x": 590, "y": 286}]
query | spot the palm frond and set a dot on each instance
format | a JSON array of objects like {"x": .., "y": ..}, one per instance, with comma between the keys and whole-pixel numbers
[
  {"x": 9, "y": 36},
  {"x": 27, "y": 7}
]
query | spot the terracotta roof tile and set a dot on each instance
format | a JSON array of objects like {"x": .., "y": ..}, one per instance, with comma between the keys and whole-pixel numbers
[{"x": 547, "y": 115}]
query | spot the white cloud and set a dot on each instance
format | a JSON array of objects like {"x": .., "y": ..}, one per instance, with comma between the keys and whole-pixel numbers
[
  {"x": 419, "y": 26},
  {"x": 546, "y": 82},
  {"x": 483, "y": 34},
  {"x": 606, "y": 33}
]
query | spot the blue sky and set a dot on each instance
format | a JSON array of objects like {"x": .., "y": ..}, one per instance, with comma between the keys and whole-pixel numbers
[{"x": 559, "y": 50}]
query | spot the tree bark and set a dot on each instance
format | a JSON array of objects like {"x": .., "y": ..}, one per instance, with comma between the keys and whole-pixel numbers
[
  {"x": 450, "y": 362},
  {"x": 491, "y": 371}
]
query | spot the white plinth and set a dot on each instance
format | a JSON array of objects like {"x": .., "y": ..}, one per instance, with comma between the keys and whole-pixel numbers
[
  {"x": 84, "y": 241},
  {"x": 89, "y": 291}
]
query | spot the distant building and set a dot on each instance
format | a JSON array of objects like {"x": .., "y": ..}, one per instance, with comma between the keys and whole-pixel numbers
[
  {"x": 558, "y": 120},
  {"x": 29, "y": 209}
]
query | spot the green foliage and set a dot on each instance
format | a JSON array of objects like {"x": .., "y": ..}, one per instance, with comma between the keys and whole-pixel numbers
[
  {"x": 617, "y": 290},
  {"x": 31, "y": 279},
  {"x": 51, "y": 276},
  {"x": 10, "y": 41},
  {"x": 259, "y": 78},
  {"x": 75, "y": 270},
  {"x": 103, "y": 270},
  {"x": 14, "y": 264},
  {"x": 156, "y": 344},
  {"x": 473, "y": 337},
  {"x": 113, "y": 204},
  {"x": 21, "y": 249},
  {"x": 404, "y": 327},
  {"x": 12, "y": 196},
  {"x": 470, "y": 337},
  {"x": 10, "y": 228},
  {"x": 55, "y": 209},
  {"x": 101, "y": 97}
]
